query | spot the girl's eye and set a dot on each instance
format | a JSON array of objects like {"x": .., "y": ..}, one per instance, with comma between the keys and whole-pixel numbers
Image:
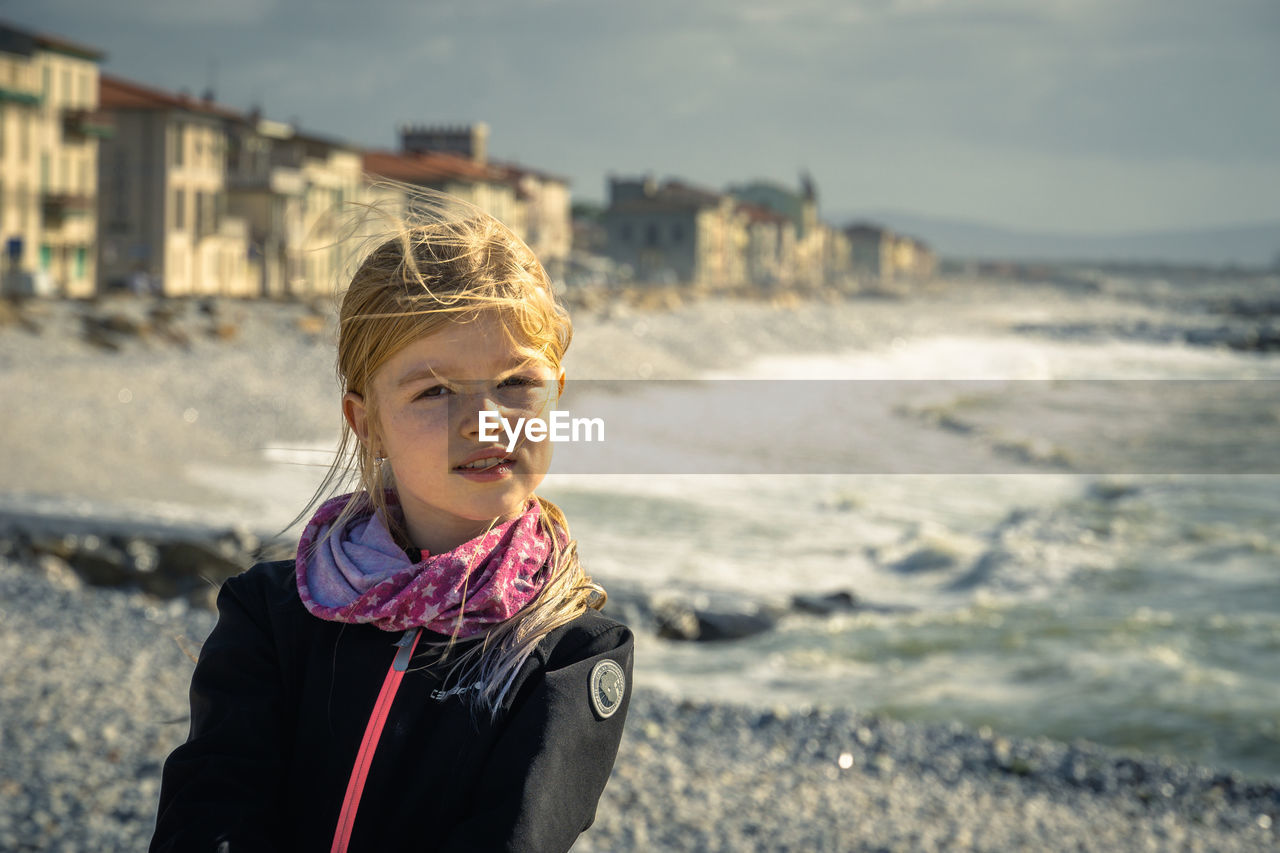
[
  {"x": 433, "y": 391},
  {"x": 525, "y": 381}
]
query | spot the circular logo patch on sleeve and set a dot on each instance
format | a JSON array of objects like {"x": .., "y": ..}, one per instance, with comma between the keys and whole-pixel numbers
[{"x": 608, "y": 683}]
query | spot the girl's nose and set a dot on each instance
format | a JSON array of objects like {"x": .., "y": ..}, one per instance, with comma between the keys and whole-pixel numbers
[{"x": 472, "y": 403}]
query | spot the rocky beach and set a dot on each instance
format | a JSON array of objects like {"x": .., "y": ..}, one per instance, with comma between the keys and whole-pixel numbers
[
  {"x": 126, "y": 417},
  {"x": 93, "y": 698}
]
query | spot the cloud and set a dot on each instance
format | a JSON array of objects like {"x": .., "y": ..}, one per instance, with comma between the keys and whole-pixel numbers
[
  {"x": 734, "y": 88},
  {"x": 169, "y": 13}
]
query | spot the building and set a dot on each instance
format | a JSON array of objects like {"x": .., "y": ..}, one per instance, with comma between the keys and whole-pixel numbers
[
  {"x": 676, "y": 233},
  {"x": 809, "y": 258},
  {"x": 163, "y": 205},
  {"x": 200, "y": 199},
  {"x": 913, "y": 259},
  {"x": 469, "y": 141},
  {"x": 871, "y": 250},
  {"x": 771, "y": 246},
  {"x": 454, "y": 159},
  {"x": 50, "y": 129},
  {"x": 879, "y": 254},
  {"x": 284, "y": 184},
  {"x": 544, "y": 205},
  {"x": 486, "y": 187}
]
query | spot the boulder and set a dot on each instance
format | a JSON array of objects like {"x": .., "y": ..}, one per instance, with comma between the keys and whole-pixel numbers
[{"x": 825, "y": 604}]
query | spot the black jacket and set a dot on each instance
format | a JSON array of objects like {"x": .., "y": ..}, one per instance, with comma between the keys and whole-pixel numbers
[{"x": 279, "y": 704}]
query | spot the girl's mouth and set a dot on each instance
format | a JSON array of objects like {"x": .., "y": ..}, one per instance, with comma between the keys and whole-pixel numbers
[{"x": 488, "y": 468}]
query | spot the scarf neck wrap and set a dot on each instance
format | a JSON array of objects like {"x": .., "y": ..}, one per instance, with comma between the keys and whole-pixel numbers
[{"x": 357, "y": 573}]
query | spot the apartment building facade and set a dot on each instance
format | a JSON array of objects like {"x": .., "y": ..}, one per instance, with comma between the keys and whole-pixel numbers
[
  {"x": 676, "y": 232},
  {"x": 199, "y": 199},
  {"x": 808, "y": 258},
  {"x": 285, "y": 185},
  {"x": 877, "y": 253},
  {"x": 50, "y": 129},
  {"x": 454, "y": 159},
  {"x": 163, "y": 205}
]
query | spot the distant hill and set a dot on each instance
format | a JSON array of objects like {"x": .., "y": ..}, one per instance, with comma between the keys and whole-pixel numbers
[{"x": 1256, "y": 245}]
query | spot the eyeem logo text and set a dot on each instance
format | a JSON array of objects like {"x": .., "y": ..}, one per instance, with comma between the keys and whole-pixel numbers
[{"x": 559, "y": 427}]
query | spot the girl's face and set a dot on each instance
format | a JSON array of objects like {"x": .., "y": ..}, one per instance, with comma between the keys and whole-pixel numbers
[{"x": 429, "y": 396}]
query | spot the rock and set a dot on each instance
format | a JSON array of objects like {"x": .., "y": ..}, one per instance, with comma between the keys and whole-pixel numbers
[
  {"x": 928, "y": 558},
  {"x": 102, "y": 566},
  {"x": 164, "y": 313},
  {"x": 1112, "y": 490},
  {"x": 193, "y": 561},
  {"x": 159, "y": 559},
  {"x": 59, "y": 572},
  {"x": 825, "y": 604},
  {"x": 311, "y": 324},
  {"x": 121, "y": 324},
  {"x": 223, "y": 331},
  {"x": 100, "y": 339},
  {"x": 677, "y": 620},
  {"x": 713, "y": 626}
]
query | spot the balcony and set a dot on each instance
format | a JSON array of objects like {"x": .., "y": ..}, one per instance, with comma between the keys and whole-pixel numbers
[
  {"x": 58, "y": 207},
  {"x": 82, "y": 124},
  {"x": 275, "y": 180},
  {"x": 18, "y": 96}
]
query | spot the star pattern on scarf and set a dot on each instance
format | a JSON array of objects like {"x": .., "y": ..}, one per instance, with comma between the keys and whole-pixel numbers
[{"x": 480, "y": 583}]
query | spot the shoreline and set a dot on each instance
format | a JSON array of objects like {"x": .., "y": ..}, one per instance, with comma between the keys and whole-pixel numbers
[
  {"x": 85, "y": 734},
  {"x": 695, "y": 775}
]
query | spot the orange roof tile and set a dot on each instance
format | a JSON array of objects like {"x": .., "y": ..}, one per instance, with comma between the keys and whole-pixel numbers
[
  {"x": 430, "y": 167},
  {"x": 760, "y": 213},
  {"x": 515, "y": 170},
  {"x": 116, "y": 93},
  {"x": 55, "y": 43}
]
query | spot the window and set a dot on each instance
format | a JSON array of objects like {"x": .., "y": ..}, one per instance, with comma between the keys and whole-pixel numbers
[
  {"x": 45, "y": 168},
  {"x": 82, "y": 255},
  {"x": 46, "y": 257},
  {"x": 120, "y": 176},
  {"x": 651, "y": 235},
  {"x": 625, "y": 233},
  {"x": 179, "y": 210},
  {"x": 66, "y": 85},
  {"x": 677, "y": 232},
  {"x": 178, "y": 142}
]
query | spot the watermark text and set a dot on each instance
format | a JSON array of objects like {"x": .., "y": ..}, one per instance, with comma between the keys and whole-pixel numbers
[{"x": 558, "y": 427}]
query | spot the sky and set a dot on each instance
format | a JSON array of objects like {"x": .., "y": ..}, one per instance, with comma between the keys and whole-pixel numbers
[{"x": 1069, "y": 116}]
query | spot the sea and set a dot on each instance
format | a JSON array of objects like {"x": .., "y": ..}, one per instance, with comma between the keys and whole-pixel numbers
[
  {"x": 1065, "y": 526},
  {"x": 1017, "y": 579}
]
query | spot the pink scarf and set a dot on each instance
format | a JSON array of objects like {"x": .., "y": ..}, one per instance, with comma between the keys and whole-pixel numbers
[{"x": 359, "y": 574}]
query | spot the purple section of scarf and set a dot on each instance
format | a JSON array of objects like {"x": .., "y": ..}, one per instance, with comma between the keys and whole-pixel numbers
[{"x": 358, "y": 573}]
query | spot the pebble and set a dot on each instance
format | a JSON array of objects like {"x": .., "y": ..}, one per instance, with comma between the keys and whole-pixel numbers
[{"x": 93, "y": 698}]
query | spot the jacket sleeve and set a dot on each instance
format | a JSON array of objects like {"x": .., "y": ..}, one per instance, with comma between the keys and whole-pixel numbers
[
  {"x": 220, "y": 789},
  {"x": 546, "y": 772}
]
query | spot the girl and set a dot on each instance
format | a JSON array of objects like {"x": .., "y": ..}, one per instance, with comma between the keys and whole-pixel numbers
[{"x": 431, "y": 672}]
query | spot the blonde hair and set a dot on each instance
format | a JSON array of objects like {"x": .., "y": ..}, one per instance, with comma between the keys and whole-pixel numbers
[{"x": 448, "y": 262}]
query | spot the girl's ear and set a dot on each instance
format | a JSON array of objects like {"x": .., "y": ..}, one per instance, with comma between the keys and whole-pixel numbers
[{"x": 353, "y": 409}]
